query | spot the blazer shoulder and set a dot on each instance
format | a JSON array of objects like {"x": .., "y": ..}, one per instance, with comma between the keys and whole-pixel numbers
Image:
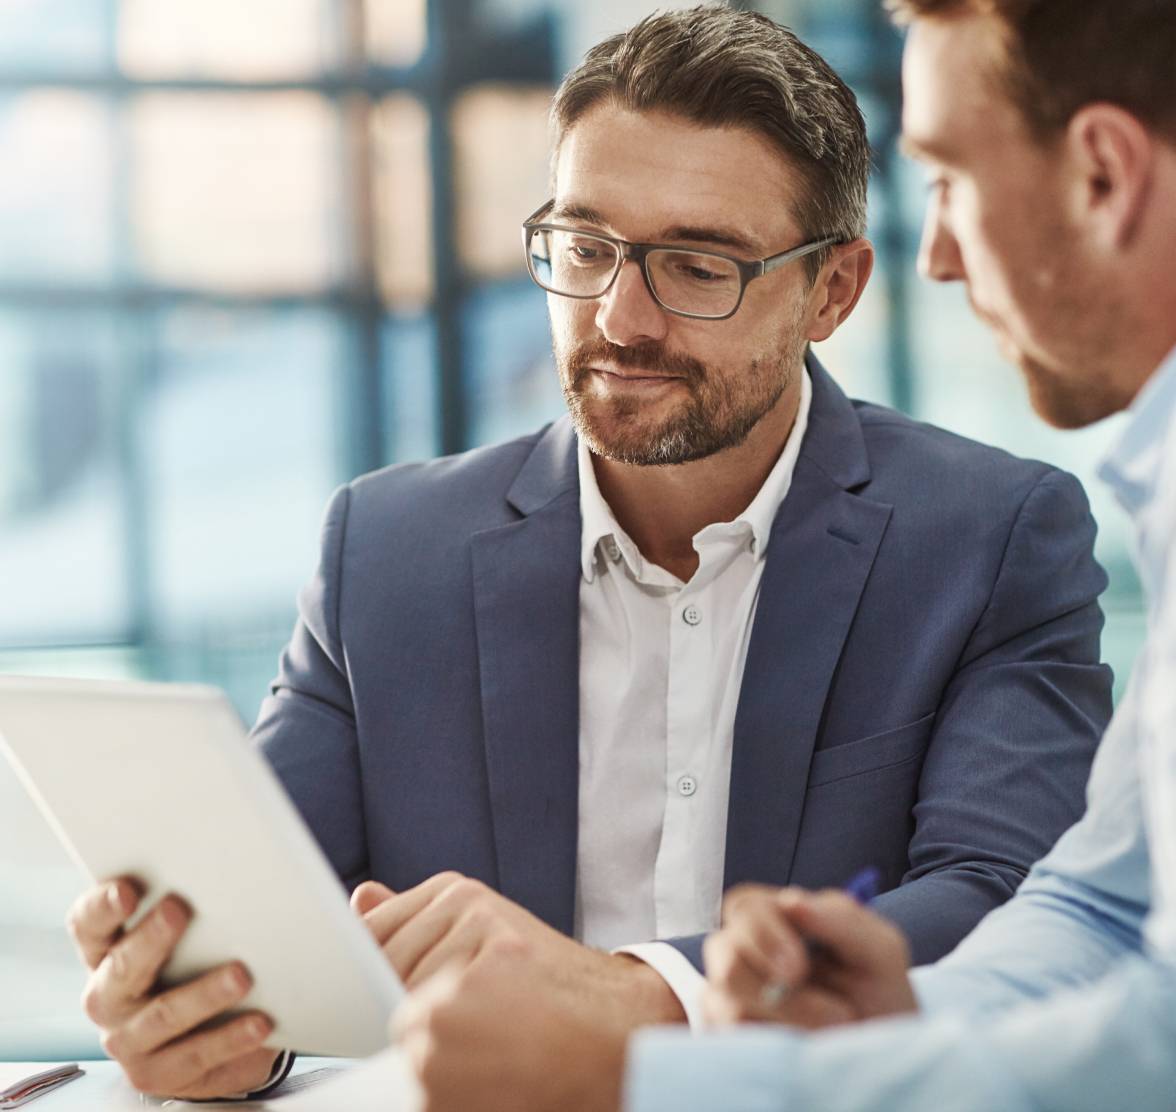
[
  {"x": 918, "y": 458},
  {"x": 469, "y": 487}
]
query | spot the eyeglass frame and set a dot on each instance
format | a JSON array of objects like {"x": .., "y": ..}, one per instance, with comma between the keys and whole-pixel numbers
[{"x": 639, "y": 252}]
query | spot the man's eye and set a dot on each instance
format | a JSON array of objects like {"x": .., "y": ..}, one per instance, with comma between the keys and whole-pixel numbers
[
  {"x": 698, "y": 273},
  {"x": 584, "y": 252}
]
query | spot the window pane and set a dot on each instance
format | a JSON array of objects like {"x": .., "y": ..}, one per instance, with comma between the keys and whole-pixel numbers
[
  {"x": 410, "y": 388},
  {"x": 242, "y": 453},
  {"x": 513, "y": 384},
  {"x": 237, "y": 192},
  {"x": 55, "y": 191},
  {"x": 254, "y": 41},
  {"x": 61, "y": 497},
  {"x": 495, "y": 193},
  {"x": 395, "y": 31},
  {"x": 400, "y": 195},
  {"x": 54, "y": 36}
]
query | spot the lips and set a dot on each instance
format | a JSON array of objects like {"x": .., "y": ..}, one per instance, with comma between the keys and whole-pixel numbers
[{"x": 635, "y": 375}]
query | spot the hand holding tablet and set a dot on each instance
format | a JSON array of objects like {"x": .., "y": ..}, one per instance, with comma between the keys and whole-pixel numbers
[{"x": 157, "y": 783}]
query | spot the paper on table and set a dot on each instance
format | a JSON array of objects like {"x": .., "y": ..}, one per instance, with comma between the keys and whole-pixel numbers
[
  {"x": 382, "y": 1083},
  {"x": 20, "y": 1086}
]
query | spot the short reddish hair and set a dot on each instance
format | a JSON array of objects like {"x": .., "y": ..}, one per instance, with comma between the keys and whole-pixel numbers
[{"x": 1061, "y": 55}]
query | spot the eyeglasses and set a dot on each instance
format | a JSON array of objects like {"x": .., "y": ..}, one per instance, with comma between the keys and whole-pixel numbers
[{"x": 705, "y": 285}]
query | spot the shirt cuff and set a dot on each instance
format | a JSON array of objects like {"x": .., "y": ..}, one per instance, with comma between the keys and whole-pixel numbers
[{"x": 685, "y": 982}]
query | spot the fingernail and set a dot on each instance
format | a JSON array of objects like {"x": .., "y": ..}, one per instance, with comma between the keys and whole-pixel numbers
[
  {"x": 235, "y": 980},
  {"x": 173, "y": 914},
  {"x": 115, "y": 898},
  {"x": 258, "y": 1028}
]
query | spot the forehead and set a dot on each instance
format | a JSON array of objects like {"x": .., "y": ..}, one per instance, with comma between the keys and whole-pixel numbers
[
  {"x": 647, "y": 170},
  {"x": 953, "y": 106}
]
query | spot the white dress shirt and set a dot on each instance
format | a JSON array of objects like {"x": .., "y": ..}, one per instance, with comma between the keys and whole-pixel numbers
[{"x": 661, "y": 665}]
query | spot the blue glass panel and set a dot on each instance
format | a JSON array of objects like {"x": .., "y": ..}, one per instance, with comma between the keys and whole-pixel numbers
[
  {"x": 410, "y": 388},
  {"x": 62, "y": 563},
  {"x": 513, "y": 387},
  {"x": 241, "y": 452},
  {"x": 55, "y": 36},
  {"x": 57, "y": 186}
]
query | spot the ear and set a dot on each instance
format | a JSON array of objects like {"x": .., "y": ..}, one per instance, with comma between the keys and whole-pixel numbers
[
  {"x": 838, "y": 287},
  {"x": 1113, "y": 156}
]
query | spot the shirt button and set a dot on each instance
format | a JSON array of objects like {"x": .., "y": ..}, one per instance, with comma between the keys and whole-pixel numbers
[
  {"x": 687, "y": 785},
  {"x": 692, "y": 615}
]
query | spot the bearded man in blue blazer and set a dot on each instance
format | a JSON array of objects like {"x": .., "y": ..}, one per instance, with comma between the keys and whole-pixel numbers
[{"x": 718, "y": 625}]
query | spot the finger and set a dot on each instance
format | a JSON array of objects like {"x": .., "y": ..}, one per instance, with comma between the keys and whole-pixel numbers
[
  {"x": 133, "y": 964},
  {"x": 388, "y": 917},
  {"x": 770, "y": 941},
  {"x": 457, "y": 949},
  {"x": 177, "y": 1012},
  {"x": 96, "y": 918},
  {"x": 738, "y": 897},
  {"x": 813, "y": 1009},
  {"x": 411, "y": 1018},
  {"x": 444, "y": 931},
  {"x": 852, "y": 935},
  {"x": 737, "y": 987},
  {"x": 243, "y": 1074},
  {"x": 369, "y": 895},
  {"x": 182, "y": 1067}
]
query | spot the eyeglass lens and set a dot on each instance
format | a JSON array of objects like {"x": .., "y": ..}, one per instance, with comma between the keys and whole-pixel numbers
[{"x": 578, "y": 265}]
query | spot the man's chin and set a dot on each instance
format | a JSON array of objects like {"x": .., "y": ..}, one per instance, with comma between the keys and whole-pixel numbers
[{"x": 1062, "y": 402}]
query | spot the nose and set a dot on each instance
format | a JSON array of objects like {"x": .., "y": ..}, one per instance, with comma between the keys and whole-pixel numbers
[
  {"x": 939, "y": 251},
  {"x": 627, "y": 314}
]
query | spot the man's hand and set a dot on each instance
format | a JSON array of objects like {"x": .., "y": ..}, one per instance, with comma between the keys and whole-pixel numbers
[
  {"x": 449, "y": 920},
  {"x": 150, "y": 1032},
  {"x": 809, "y": 959},
  {"x": 480, "y": 1039}
]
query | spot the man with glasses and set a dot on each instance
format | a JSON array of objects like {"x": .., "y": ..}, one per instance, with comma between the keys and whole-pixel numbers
[
  {"x": 722, "y": 625},
  {"x": 1048, "y": 131}
]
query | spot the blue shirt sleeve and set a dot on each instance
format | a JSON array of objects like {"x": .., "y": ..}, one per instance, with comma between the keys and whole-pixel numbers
[{"x": 1049, "y": 1004}]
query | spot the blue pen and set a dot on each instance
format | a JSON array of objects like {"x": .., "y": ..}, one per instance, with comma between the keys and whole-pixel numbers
[{"x": 863, "y": 888}]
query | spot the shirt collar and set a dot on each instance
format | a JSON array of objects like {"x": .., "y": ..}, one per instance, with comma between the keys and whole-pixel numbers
[
  {"x": 1133, "y": 466},
  {"x": 598, "y": 524}
]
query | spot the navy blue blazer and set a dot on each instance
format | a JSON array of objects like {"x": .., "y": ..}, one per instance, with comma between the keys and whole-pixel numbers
[{"x": 922, "y": 691}]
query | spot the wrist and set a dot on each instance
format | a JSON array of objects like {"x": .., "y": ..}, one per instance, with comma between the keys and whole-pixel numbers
[{"x": 649, "y": 998}]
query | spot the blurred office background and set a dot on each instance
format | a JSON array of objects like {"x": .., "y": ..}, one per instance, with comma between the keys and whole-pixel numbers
[{"x": 252, "y": 248}]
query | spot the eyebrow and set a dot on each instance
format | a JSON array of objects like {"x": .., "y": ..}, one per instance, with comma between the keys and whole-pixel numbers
[
  {"x": 691, "y": 233},
  {"x": 919, "y": 149}
]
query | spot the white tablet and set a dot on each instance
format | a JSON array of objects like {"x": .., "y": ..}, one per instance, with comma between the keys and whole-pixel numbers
[{"x": 156, "y": 781}]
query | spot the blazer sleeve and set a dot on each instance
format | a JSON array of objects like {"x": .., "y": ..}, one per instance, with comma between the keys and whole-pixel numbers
[
  {"x": 306, "y": 726},
  {"x": 1016, "y": 729}
]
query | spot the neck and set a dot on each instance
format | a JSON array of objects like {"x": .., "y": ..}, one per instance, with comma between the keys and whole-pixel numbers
[{"x": 662, "y": 508}]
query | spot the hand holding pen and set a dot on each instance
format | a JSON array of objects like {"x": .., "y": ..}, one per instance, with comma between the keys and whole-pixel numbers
[{"x": 808, "y": 959}]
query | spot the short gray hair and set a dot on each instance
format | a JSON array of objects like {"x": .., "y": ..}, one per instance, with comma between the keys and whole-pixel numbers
[{"x": 722, "y": 67}]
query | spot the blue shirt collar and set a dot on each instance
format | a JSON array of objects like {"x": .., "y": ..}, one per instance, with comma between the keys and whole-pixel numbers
[{"x": 1134, "y": 465}]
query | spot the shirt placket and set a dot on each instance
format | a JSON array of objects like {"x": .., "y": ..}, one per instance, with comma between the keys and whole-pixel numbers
[{"x": 689, "y": 715}]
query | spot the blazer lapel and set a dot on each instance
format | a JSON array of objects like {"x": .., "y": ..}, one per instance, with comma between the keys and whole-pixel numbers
[
  {"x": 822, "y": 547},
  {"x": 526, "y": 578}
]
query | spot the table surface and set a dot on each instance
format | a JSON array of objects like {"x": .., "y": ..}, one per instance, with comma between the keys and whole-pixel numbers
[{"x": 378, "y": 1083}]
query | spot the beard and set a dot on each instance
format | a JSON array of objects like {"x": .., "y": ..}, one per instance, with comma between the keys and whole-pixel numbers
[{"x": 719, "y": 411}]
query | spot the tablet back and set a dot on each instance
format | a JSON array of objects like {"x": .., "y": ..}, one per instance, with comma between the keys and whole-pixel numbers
[{"x": 156, "y": 781}]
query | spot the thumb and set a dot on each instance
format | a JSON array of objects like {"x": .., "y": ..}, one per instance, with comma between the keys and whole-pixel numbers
[
  {"x": 369, "y": 895},
  {"x": 853, "y": 935}
]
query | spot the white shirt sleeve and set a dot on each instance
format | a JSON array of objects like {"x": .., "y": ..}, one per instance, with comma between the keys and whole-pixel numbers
[{"x": 685, "y": 982}]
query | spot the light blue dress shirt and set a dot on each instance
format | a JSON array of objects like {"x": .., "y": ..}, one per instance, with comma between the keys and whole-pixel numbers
[{"x": 1065, "y": 998}]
